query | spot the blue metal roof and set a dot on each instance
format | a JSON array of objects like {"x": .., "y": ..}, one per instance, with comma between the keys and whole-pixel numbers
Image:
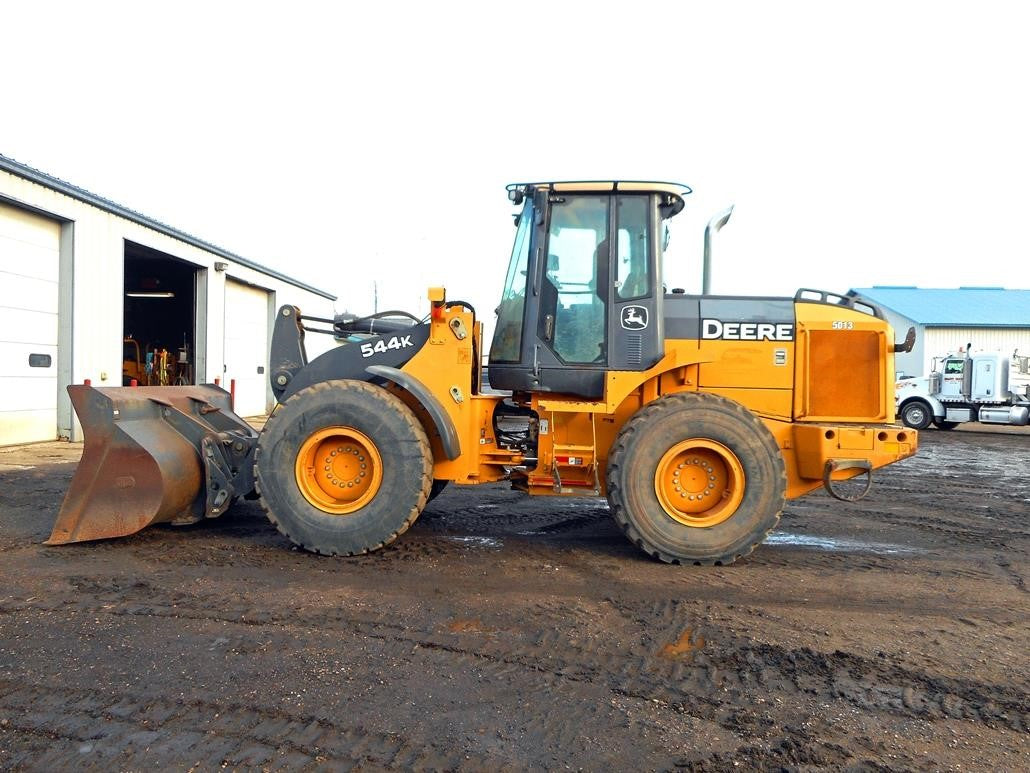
[
  {"x": 8, "y": 164},
  {"x": 955, "y": 307}
]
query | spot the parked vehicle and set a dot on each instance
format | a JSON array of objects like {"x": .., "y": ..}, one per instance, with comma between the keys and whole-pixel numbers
[
  {"x": 986, "y": 387},
  {"x": 697, "y": 416}
]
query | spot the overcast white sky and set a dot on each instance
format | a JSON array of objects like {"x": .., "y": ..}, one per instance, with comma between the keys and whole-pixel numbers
[{"x": 865, "y": 143}]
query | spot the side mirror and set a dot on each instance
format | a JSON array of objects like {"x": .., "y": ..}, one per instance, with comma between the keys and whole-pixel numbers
[{"x": 908, "y": 343}]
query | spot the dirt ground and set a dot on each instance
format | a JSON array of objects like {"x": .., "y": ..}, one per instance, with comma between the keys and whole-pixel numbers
[{"x": 503, "y": 633}]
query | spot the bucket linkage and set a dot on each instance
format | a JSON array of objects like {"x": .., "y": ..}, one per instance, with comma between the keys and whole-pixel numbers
[{"x": 154, "y": 455}]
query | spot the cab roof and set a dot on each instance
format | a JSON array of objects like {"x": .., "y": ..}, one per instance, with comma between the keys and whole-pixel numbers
[{"x": 676, "y": 190}]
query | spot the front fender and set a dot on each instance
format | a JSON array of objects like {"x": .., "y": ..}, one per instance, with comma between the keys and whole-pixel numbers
[
  {"x": 448, "y": 434},
  {"x": 935, "y": 405}
]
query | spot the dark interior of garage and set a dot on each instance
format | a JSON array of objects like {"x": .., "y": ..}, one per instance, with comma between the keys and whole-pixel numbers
[{"x": 160, "y": 313}]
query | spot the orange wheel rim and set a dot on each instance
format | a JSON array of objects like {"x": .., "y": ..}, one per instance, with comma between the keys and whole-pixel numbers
[
  {"x": 699, "y": 482},
  {"x": 339, "y": 470}
]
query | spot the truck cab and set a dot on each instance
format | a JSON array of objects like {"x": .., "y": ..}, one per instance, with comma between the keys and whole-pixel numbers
[{"x": 963, "y": 388}]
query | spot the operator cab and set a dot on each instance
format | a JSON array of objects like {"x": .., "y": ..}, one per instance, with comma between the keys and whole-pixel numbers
[{"x": 583, "y": 292}]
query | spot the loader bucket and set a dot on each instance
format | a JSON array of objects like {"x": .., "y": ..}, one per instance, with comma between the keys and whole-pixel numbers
[{"x": 153, "y": 455}]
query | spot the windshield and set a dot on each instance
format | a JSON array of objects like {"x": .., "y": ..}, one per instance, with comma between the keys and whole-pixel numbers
[{"x": 507, "y": 342}]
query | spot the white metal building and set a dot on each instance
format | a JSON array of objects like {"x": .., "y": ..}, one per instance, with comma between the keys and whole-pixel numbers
[
  {"x": 92, "y": 290},
  {"x": 987, "y": 318}
]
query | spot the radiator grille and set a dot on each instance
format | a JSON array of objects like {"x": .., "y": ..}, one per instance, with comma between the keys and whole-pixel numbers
[
  {"x": 634, "y": 349},
  {"x": 844, "y": 374}
]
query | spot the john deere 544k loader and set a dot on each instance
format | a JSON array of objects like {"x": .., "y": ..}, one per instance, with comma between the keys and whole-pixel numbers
[{"x": 696, "y": 416}]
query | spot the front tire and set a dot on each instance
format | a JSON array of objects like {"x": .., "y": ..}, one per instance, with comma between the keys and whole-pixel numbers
[
  {"x": 343, "y": 468},
  {"x": 696, "y": 478},
  {"x": 916, "y": 414}
]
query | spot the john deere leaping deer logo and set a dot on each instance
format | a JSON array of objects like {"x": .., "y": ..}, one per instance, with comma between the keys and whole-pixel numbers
[{"x": 634, "y": 317}]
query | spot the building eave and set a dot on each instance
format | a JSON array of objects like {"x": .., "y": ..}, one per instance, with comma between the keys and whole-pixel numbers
[{"x": 72, "y": 191}]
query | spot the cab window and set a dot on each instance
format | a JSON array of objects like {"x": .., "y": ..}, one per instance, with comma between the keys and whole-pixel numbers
[
  {"x": 632, "y": 264},
  {"x": 507, "y": 343},
  {"x": 573, "y": 300}
]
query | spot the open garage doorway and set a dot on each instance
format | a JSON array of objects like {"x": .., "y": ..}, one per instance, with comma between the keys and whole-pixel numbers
[{"x": 159, "y": 341}]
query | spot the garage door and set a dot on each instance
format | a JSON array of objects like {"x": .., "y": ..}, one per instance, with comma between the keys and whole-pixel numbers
[
  {"x": 246, "y": 346},
  {"x": 29, "y": 265}
]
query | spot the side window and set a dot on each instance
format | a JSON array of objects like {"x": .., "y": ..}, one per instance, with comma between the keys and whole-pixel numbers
[
  {"x": 507, "y": 344},
  {"x": 632, "y": 264},
  {"x": 951, "y": 367},
  {"x": 577, "y": 246}
]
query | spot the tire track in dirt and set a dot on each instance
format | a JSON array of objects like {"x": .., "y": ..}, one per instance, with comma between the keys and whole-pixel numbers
[
  {"x": 105, "y": 729},
  {"x": 693, "y": 685}
]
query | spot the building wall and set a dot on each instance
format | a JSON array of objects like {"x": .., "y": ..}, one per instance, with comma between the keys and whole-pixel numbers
[
  {"x": 91, "y": 291},
  {"x": 908, "y": 363},
  {"x": 947, "y": 340}
]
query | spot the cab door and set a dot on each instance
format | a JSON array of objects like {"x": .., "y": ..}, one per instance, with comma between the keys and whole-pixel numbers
[
  {"x": 574, "y": 286},
  {"x": 636, "y": 329},
  {"x": 953, "y": 377}
]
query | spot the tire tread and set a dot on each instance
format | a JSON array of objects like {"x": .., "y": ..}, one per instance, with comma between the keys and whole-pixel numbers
[
  {"x": 425, "y": 452},
  {"x": 618, "y": 459}
]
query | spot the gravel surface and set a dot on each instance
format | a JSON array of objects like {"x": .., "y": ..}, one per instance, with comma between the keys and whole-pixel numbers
[{"x": 509, "y": 633}]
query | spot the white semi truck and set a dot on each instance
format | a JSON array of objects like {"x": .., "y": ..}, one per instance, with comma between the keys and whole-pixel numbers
[{"x": 987, "y": 387}]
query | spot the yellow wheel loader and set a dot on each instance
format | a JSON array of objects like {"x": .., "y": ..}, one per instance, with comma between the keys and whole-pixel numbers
[{"x": 696, "y": 416}]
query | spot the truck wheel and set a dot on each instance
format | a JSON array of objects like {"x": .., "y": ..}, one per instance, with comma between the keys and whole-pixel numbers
[
  {"x": 343, "y": 467},
  {"x": 941, "y": 424},
  {"x": 916, "y": 414},
  {"x": 696, "y": 478}
]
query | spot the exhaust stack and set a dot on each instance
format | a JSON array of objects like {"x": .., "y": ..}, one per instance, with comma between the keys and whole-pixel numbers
[{"x": 714, "y": 226}]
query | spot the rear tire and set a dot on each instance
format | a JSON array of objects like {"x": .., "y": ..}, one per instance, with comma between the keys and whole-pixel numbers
[
  {"x": 696, "y": 478},
  {"x": 343, "y": 468},
  {"x": 916, "y": 414}
]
